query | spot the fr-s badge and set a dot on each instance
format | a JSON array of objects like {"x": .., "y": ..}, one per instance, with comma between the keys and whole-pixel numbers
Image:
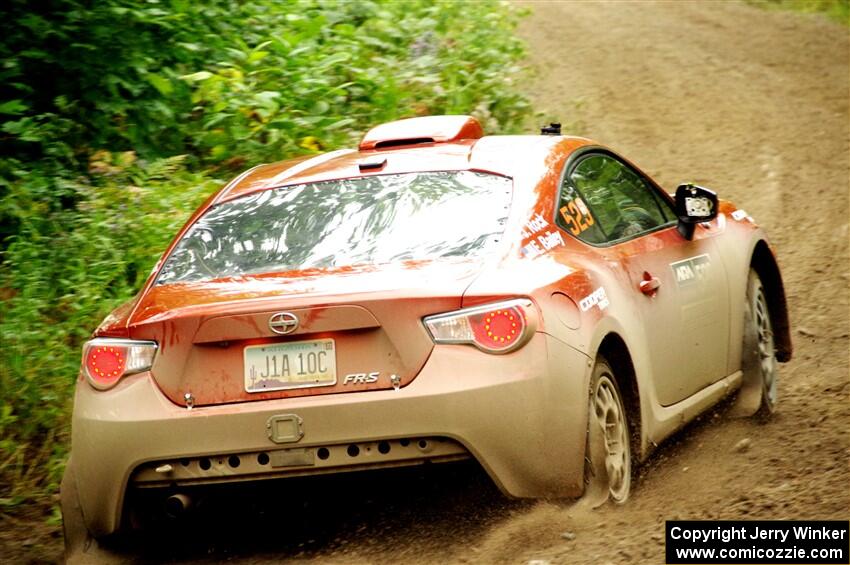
[{"x": 361, "y": 378}]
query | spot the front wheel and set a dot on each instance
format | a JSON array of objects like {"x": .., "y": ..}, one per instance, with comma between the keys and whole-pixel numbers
[
  {"x": 758, "y": 394},
  {"x": 765, "y": 349},
  {"x": 609, "y": 458}
]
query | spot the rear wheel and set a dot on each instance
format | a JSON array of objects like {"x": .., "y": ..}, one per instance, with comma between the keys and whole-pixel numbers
[{"x": 609, "y": 458}]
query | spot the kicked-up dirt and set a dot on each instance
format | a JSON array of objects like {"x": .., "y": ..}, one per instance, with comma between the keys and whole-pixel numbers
[{"x": 749, "y": 102}]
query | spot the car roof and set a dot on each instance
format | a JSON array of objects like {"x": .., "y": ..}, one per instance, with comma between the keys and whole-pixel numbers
[{"x": 411, "y": 150}]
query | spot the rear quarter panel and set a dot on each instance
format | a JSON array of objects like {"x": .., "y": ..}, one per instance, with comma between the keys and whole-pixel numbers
[{"x": 581, "y": 297}]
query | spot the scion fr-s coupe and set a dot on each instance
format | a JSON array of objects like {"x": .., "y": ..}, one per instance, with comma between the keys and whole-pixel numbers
[{"x": 535, "y": 303}]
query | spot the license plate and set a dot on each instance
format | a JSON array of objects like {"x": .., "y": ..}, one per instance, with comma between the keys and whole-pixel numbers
[{"x": 298, "y": 364}]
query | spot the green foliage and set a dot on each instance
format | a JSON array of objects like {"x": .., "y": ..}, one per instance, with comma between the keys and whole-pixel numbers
[
  {"x": 330, "y": 71},
  {"x": 118, "y": 117},
  {"x": 838, "y": 10},
  {"x": 98, "y": 64},
  {"x": 65, "y": 270},
  {"x": 248, "y": 80}
]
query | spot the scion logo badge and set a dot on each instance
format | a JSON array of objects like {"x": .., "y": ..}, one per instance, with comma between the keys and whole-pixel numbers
[{"x": 283, "y": 323}]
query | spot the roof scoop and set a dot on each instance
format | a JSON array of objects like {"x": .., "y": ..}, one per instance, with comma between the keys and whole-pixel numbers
[{"x": 414, "y": 131}]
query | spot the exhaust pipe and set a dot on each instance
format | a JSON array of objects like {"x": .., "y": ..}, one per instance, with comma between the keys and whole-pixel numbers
[{"x": 177, "y": 504}]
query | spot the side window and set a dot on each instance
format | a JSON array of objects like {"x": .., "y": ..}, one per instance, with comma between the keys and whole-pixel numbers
[
  {"x": 575, "y": 216},
  {"x": 604, "y": 200}
]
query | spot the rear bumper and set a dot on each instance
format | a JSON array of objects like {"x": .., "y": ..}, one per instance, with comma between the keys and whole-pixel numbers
[{"x": 523, "y": 416}]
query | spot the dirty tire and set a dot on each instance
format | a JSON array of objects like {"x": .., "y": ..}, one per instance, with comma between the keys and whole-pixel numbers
[
  {"x": 765, "y": 364},
  {"x": 608, "y": 462}
]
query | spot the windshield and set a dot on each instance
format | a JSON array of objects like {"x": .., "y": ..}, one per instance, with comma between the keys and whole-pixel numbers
[{"x": 367, "y": 220}]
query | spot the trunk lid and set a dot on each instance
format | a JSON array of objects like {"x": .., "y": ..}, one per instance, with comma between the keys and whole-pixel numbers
[{"x": 216, "y": 344}]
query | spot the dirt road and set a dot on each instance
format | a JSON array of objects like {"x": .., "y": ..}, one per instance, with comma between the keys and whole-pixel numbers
[
  {"x": 755, "y": 105},
  {"x": 751, "y": 103}
]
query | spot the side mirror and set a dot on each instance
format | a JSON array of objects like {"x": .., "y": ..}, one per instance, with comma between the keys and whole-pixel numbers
[{"x": 694, "y": 205}]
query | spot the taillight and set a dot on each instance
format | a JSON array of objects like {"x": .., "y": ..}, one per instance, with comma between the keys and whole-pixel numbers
[
  {"x": 106, "y": 360},
  {"x": 495, "y": 328}
]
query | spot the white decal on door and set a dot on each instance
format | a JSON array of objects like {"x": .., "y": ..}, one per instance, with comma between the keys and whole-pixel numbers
[{"x": 691, "y": 271}]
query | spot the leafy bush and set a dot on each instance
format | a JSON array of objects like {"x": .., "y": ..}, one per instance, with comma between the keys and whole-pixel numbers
[
  {"x": 119, "y": 117},
  {"x": 251, "y": 79},
  {"x": 65, "y": 270},
  {"x": 838, "y": 10},
  {"x": 330, "y": 71}
]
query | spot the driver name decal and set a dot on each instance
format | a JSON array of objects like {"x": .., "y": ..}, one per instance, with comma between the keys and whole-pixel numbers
[
  {"x": 535, "y": 224},
  {"x": 691, "y": 271},
  {"x": 542, "y": 240}
]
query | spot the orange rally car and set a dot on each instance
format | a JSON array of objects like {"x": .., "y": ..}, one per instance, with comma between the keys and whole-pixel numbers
[{"x": 536, "y": 303}]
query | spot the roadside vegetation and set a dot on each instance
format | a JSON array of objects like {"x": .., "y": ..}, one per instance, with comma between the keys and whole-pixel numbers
[
  {"x": 117, "y": 118},
  {"x": 838, "y": 10}
]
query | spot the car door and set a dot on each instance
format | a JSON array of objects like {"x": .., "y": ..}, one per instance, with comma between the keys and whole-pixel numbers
[{"x": 679, "y": 285}]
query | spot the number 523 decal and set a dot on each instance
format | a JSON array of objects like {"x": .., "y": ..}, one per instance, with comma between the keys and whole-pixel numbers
[{"x": 577, "y": 216}]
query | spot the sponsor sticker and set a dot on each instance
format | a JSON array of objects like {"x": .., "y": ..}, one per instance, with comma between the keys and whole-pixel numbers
[
  {"x": 691, "y": 271},
  {"x": 595, "y": 298}
]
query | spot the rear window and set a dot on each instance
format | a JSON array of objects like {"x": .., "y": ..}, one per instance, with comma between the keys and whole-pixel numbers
[{"x": 368, "y": 220}]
